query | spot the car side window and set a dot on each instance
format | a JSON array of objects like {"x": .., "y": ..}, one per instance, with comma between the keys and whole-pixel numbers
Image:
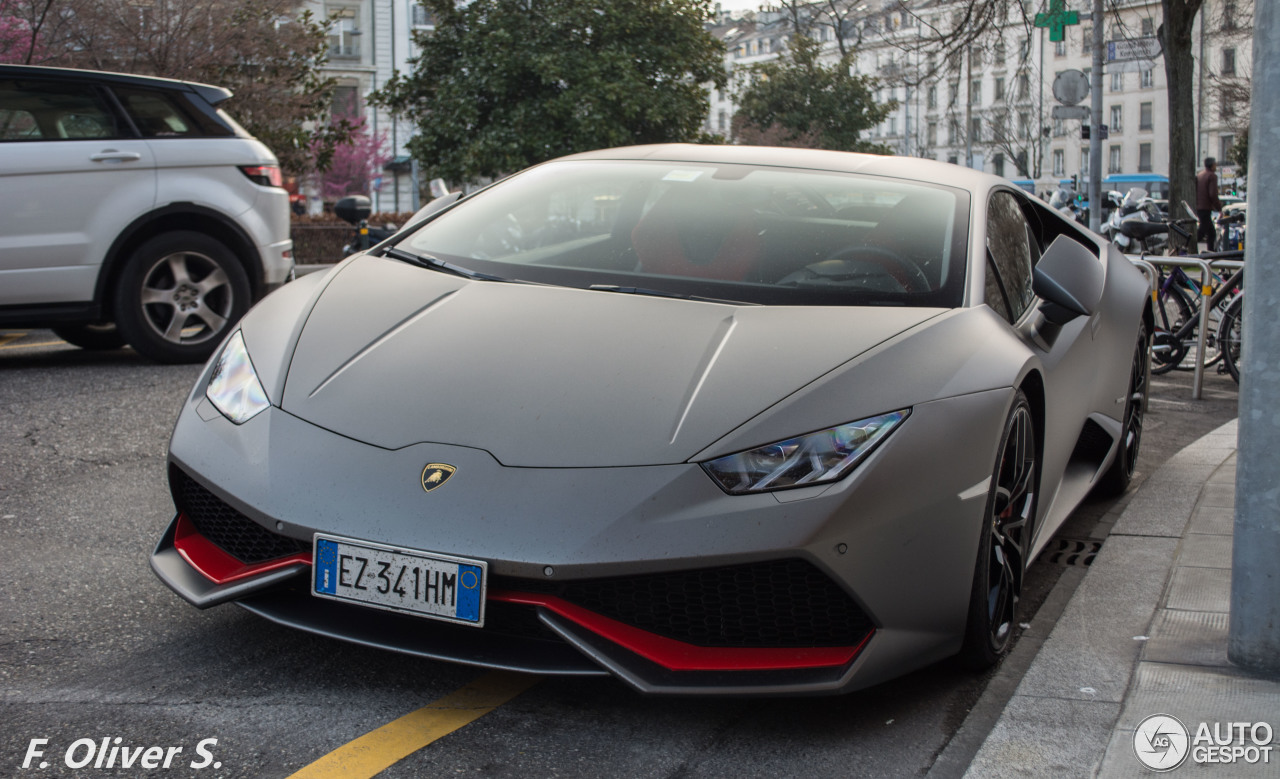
[
  {"x": 156, "y": 114},
  {"x": 1009, "y": 257},
  {"x": 38, "y": 110}
]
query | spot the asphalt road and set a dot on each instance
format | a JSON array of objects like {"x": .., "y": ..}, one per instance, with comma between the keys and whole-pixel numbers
[{"x": 92, "y": 646}]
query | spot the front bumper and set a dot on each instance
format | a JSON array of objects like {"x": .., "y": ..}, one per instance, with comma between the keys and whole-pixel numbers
[{"x": 896, "y": 548}]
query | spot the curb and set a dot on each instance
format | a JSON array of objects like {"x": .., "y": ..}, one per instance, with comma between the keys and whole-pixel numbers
[{"x": 1060, "y": 719}]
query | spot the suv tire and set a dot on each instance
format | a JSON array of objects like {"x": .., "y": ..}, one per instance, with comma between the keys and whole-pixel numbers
[{"x": 179, "y": 295}]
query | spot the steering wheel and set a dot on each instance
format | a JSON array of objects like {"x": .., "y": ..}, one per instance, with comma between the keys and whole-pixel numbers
[{"x": 904, "y": 272}]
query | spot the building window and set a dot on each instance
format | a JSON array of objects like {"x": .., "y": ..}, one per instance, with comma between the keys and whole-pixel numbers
[
  {"x": 1148, "y": 26},
  {"x": 932, "y": 100},
  {"x": 1024, "y": 125},
  {"x": 893, "y": 125},
  {"x": 1228, "y": 14},
  {"x": 975, "y": 130},
  {"x": 1148, "y": 78},
  {"x": 1024, "y": 50},
  {"x": 1229, "y": 62},
  {"x": 953, "y": 159},
  {"x": 953, "y": 132},
  {"x": 999, "y": 52},
  {"x": 975, "y": 58},
  {"x": 421, "y": 16},
  {"x": 1086, "y": 41},
  {"x": 1226, "y": 143},
  {"x": 1058, "y": 130},
  {"x": 1117, "y": 117},
  {"x": 1024, "y": 86},
  {"x": 1144, "y": 116},
  {"x": 1113, "y": 160},
  {"x": 1059, "y": 163},
  {"x": 1144, "y": 158},
  {"x": 1084, "y": 162},
  {"x": 1226, "y": 108},
  {"x": 1117, "y": 82},
  {"x": 955, "y": 93},
  {"x": 1060, "y": 49},
  {"x": 722, "y": 121},
  {"x": 997, "y": 164},
  {"x": 345, "y": 34},
  {"x": 931, "y": 134},
  {"x": 999, "y": 89},
  {"x": 975, "y": 92}
]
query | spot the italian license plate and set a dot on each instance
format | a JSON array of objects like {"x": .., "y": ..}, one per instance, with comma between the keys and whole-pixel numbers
[{"x": 428, "y": 585}]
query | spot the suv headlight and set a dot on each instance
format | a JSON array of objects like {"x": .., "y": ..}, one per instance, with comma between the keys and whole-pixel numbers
[
  {"x": 234, "y": 387},
  {"x": 816, "y": 458}
]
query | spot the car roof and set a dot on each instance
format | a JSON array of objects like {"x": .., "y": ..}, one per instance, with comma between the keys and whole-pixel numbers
[
  {"x": 212, "y": 94},
  {"x": 912, "y": 168}
]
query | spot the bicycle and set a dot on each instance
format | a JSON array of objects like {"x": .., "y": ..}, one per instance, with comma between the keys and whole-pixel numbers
[
  {"x": 1177, "y": 312},
  {"x": 1229, "y": 332}
]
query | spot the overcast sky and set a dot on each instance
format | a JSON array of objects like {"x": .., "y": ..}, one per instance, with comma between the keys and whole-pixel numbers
[{"x": 737, "y": 5}]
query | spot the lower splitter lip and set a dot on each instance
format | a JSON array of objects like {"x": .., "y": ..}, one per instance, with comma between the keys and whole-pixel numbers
[{"x": 590, "y": 643}]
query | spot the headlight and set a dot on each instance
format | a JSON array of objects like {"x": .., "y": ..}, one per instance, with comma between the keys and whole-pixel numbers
[
  {"x": 234, "y": 387},
  {"x": 817, "y": 458}
]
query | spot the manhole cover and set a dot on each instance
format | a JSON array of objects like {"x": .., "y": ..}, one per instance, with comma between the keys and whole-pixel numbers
[{"x": 1077, "y": 552}]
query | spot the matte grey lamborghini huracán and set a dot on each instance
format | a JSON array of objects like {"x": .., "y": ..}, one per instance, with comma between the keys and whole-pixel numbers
[{"x": 710, "y": 419}]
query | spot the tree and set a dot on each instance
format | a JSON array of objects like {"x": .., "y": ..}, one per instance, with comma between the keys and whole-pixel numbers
[
  {"x": 261, "y": 50},
  {"x": 356, "y": 161},
  {"x": 803, "y": 99},
  {"x": 503, "y": 84}
]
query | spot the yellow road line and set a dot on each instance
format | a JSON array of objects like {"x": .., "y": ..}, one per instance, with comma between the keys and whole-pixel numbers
[
  {"x": 379, "y": 749},
  {"x": 10, "y": 337},
  {"x": 6, "y": 345}
]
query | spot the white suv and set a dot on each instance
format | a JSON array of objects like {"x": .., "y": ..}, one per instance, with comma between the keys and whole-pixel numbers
[{"x": 134, "y": 210}]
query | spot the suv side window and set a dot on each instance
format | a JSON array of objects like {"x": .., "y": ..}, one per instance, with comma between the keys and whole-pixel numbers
[
  {"x": 1009, "y": 257},
  {"x": 37, "y": 110},
  {"x": 159, "y": 114}
]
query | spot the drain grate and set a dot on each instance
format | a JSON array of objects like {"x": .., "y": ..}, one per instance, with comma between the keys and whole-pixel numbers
[{"x": 1072, "y": 552}]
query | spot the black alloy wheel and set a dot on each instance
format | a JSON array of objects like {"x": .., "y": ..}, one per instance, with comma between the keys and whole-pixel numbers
[
  {"x": 1117, "y": 477},
  {"x": 1005, "y": 542}
]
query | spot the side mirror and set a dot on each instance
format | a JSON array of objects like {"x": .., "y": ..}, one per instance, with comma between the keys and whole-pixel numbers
[
  {"x": 353, "y": 209},
  {"x": 1069, "y": 280}
]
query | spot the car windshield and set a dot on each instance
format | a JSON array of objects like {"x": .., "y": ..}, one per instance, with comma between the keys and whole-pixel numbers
[{"x": 746, "y": 233}]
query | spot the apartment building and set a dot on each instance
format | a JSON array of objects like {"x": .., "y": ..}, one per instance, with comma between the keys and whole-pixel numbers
[{"x": 989, "y": 105}]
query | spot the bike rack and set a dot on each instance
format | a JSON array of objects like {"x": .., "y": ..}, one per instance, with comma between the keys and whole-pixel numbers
[{"x": 1205, "y": 262}]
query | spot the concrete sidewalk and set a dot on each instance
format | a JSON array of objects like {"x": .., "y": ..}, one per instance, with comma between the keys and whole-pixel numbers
[{"x": 1144, "y": 634}]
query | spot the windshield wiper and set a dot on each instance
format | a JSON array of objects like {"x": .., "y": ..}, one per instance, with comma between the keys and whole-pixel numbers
[
  {"x": 435, "y": 263},
  {"x": 658, "y": 293}
]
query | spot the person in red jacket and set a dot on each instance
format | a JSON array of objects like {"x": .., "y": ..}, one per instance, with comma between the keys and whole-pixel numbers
[{"x": 1207, "y": 202}]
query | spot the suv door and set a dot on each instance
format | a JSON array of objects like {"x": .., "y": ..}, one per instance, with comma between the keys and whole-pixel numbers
[{"x": 74, "y": 171}]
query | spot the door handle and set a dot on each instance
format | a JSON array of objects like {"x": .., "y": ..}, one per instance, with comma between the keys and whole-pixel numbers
[{"x": 111, "y": 155}]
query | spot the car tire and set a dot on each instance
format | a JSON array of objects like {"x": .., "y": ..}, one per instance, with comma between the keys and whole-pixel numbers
[
  {"x": 98, "y": 337},
  {"x": 1118, "y": 476},
  {"x": 1004, "y": 542},
  {"x": 179, "y": 295}
]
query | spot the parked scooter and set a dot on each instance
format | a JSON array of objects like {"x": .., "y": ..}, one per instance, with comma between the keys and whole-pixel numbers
[
  {"x": 355, "y": 210},
  {"x": 1136, "y": 226},
  {"x": 1231, "y": 228}
]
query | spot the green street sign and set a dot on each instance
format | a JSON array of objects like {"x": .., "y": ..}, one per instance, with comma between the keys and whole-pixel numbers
[{"x": 1057, "y": 19}]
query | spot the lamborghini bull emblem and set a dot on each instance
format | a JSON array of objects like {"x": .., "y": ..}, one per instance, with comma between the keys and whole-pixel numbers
[{"x": 435, "y": 475}]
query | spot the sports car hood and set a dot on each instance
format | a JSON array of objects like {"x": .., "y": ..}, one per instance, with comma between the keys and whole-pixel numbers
[{"x": 540, "y": 376}]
